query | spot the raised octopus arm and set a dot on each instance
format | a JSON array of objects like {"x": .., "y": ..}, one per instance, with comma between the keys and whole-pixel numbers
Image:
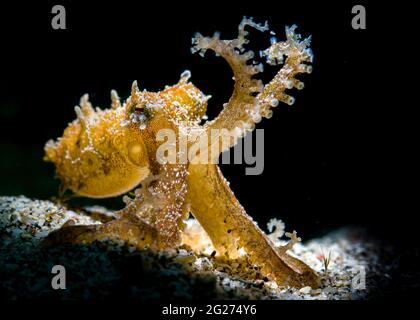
[
  {"x": 251, "y": 100},
  {"x": 230, "y": 228}
]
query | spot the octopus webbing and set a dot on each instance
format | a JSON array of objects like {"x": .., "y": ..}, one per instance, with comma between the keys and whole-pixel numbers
[{"x": 105, "y": 153}]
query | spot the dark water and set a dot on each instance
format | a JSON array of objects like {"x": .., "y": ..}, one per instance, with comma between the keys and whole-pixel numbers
[{"x": 328, "y": 159}]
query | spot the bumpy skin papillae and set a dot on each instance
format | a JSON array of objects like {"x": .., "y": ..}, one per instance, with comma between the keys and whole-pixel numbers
[
  {"x": 299, "y": 55},
  {"x": 236, "y": 113},
  {"x": 96, "y": 156},
  {"x": 162, "y": 204},
  {"x": 251, "y": 100},
  {"x": 108, "y": 152},
  {"x": 128, "y": 133},
  {"x": 230, "y": 228},
  {"x": 217, "y": 209}
]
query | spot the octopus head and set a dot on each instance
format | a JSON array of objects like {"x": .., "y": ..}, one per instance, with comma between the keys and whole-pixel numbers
[{"x": 98, "y": 157}]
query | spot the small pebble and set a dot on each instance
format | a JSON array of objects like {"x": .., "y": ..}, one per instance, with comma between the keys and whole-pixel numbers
[{"x": 305, "y": 290}]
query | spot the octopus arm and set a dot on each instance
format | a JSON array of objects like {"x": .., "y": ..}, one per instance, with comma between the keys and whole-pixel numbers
[
  {"x": 251, "y": 100},
  {"x": 161, "y": 201},
  {"x": 154, "y": 217},
  {"x": 235, "y": 114},
  {"x": 230, "y": 228},
  {"x": 298, "y": 58},
  {"x": 134, "y": 231}
]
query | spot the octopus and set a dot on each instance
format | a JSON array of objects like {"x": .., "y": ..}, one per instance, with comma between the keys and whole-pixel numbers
[{"x": 108, "y": 152}]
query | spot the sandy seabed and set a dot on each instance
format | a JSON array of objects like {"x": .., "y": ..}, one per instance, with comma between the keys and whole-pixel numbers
[{"x": 114, "y": 269}]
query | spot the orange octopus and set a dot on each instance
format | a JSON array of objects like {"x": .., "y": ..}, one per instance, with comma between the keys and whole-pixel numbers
[{"x": 105, "y": 153}]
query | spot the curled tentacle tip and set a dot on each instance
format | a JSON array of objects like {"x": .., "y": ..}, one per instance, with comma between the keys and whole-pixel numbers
[{"x": 250, "y": 21}]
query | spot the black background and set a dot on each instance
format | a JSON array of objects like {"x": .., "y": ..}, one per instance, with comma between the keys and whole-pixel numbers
[{"x": 333, "y": 159}]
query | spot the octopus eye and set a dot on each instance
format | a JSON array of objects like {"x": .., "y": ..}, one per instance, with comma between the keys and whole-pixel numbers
[
  {"x": 135, "y": 153},
  {"x": 138, "y": 107}
]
